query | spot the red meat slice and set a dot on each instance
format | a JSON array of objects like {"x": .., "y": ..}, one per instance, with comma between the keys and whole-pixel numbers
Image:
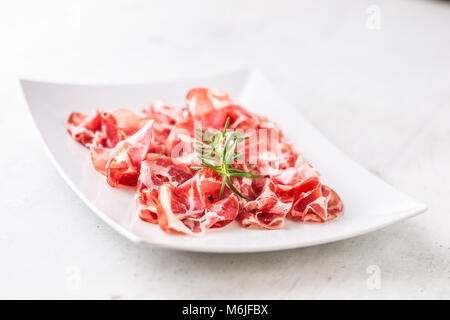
[
  {"x": 157, "y": 170},
  {"x": 200, "y": 101},
  {"x": 194, "y": 206},
  {"x": 163, "y": 113},
  {"x": 239, "y": 118},
  {"x": 165, "y": 118},
  {"x": 122, "y": 163},
  {"x": 180, "y": 143},
  {"x": 321, "y": 205},
  {"x": 99, "y": 129},
  {"x": 267, "y": 210},
  {"x": 129, "y": 121},
  {"x": 312, "y": 201}
]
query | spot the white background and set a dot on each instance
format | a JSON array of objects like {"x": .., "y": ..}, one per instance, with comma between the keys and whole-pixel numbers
[{"x": 382, "y": 95}]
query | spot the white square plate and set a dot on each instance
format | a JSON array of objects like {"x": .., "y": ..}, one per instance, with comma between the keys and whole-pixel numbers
[{"x": 369, "y": 203}]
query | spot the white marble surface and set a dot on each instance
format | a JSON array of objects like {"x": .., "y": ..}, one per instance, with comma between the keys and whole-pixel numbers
[{"x": 383, "y": 96}]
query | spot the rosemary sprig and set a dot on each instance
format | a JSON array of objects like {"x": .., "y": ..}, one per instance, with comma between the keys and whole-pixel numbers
[{"x": 218, "y": 151}]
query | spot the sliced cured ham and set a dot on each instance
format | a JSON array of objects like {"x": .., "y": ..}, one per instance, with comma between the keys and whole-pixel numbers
[
  {"x": 157, "y": 170},
  {"x": 323, "y": 204},
  {"x": 165, "y": 118},
  {"x": 201, "y": 101},
  {"x": 129, "y": 121},
  {"x": 122, "y": 163},
  {"x": 239, "y": 118},
  {"x": 194, "y": 206},
  {"x": 268, "y": 210},
  {"x": 158, "y": 150},
  {"x": 99, "y": 129},
  {"x": 163, "y": 113}
]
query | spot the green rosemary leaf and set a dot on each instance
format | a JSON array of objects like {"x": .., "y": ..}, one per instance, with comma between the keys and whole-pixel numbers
[
  {"x": 244, "y": 175},
  {"x": 229, "y": 157},
  {"x": 213, "y": 167},
  {"x": 232, "y": 187},
  {"x": 221, "y": 149},
  {"x": 222, "y": 188},
  {"x": 227, "y": 123}
]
